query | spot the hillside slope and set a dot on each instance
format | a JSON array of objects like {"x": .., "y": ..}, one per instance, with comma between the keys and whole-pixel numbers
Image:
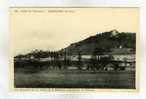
[{"x": 105, "y": 40}]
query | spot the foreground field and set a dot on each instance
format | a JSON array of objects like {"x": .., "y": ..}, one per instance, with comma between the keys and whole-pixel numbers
[{"x": 74, "y": 79}]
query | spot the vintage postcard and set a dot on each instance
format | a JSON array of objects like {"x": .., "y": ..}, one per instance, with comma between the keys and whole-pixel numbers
[{"x": 74, "y": 49}]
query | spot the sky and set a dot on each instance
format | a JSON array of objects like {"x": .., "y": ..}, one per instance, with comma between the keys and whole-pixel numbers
[{"x": 56, "y": 28}]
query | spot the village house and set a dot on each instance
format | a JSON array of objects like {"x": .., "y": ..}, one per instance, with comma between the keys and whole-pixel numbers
[{"x": 126, "y": 56}]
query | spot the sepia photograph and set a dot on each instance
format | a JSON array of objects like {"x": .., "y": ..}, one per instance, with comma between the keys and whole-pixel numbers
[{"x": 74, "y": 47}]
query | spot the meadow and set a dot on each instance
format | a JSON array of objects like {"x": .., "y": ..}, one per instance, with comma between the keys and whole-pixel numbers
[{"x": 46, "y": 78}]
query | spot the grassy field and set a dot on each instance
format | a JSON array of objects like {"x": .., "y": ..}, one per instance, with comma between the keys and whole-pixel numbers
[{"x": 74, "y": 79}]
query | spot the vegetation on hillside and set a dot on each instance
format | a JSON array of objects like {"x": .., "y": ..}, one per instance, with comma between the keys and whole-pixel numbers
[{"x": 104, "y": 41}]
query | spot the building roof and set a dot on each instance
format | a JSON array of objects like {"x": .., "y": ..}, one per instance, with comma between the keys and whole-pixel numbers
[{"x": 122, "y": 51}]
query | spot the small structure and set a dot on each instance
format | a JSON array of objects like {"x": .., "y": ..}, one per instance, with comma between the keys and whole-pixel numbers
[{"x": 114, "y": 32}]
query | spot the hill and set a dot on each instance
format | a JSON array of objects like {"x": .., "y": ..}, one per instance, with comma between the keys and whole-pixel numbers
[{"x": 104, "y": 41}]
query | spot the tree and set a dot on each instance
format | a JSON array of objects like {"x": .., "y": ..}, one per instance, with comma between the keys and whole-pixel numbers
[
  {"x": 93, "y": 61},
  {"x": 65, "y": 60},
  {"x": 79, "y": 61}
]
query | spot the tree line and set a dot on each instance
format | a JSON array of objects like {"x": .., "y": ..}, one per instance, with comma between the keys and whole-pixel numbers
[{"x": 62, "y": 60}]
